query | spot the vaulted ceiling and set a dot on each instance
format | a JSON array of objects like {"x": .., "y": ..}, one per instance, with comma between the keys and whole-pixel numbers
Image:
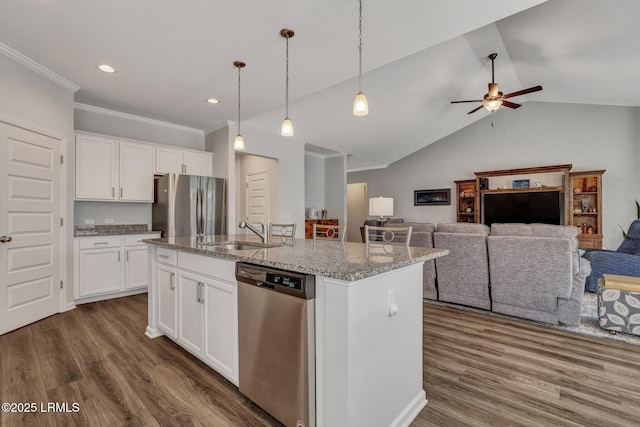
[{"x": 417, "y": 57}]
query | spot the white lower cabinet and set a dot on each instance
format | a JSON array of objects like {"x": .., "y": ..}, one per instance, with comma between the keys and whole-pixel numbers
[
  {"x": 197, "y": 307},
  {"x": 167, "y": 308},
  {"x": 111, "y": 266},
  {"x": 100, "y": 271},
  {"x": 190, "y": 309},
  {"x": 221, "y": 327}
]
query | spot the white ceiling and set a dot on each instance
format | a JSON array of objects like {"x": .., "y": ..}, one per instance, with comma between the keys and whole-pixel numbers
[{"x": 418, "y": 56}]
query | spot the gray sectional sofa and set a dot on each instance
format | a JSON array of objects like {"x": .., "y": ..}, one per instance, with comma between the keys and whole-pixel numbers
[{"x": 533, "y": 271}]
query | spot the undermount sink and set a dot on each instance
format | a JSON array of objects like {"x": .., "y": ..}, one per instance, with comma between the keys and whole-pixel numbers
[{"x": 238, "y": 246}]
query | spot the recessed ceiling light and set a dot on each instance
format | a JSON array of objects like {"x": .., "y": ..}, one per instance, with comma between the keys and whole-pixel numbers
[
  {"x": 212, "y": 101},
  {"x": 106, "y": 68}
]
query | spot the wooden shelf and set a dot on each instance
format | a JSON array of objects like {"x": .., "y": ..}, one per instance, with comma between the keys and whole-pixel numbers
[
  {"x": 523, "y": 190},
  {"x": 585, "y": 181},
  {"x": 586, "y": 214}
]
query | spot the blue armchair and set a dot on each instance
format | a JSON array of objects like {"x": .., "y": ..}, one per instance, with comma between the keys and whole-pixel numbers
[{"x": 624, "y": 261}]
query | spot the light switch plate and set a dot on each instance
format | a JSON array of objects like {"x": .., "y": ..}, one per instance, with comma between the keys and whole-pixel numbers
[
  {"x": 108, "y": 221},
  {"x": 89, "y": 221}
]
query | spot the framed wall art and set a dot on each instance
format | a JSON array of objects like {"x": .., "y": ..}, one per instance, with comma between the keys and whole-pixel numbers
[{"x": 432, "y": 197}]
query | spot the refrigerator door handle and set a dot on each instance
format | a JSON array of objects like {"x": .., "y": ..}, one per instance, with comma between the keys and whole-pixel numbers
[{"x": 199, "y": 227}]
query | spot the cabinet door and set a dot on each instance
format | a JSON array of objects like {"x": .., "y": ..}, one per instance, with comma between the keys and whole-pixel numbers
[
  {"x": 136, "y": 267},
  {"x": 168, "y": 160},
  {"x": 136, "y": 172},
  {"x": 100, "y": 271},
  {"x": 190, "y": 291},
  {"x": 96, "y": 168},
  {"x": 167, "y": 306},
  {"x": 198, "y": 163},
  {"x": 221, "y": 328}
]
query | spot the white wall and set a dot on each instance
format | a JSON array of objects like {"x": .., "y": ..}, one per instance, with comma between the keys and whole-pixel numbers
[
  {"x": 31, "y": 100},
  {"x": 538, "y": 134},
  {"x": 120, "y": 213}
]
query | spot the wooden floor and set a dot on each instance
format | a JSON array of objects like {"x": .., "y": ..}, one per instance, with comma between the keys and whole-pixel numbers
[{"x": 478, "y": 370}]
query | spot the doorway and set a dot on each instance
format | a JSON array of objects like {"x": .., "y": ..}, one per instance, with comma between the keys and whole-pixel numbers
[
  {"x": 357, "y": 210},
  {"x": 257, "y": 187}
]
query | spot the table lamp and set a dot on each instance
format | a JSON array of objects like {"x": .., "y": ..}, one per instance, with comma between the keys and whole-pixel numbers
[{"x": 381, "y": 207}]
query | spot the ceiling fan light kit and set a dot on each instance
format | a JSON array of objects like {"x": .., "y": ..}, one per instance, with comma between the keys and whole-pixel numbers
[{"x": 494, "y": 99}]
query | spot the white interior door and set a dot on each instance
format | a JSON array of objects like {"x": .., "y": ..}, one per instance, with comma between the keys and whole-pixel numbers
[
  {"x": 30, "y": 226},
  {"x": 258, "y": 197}
]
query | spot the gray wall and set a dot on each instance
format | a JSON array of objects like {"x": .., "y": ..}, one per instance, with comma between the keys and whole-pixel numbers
[
  {"x": 538, "y": 134},
  {"x": 335, "y": 199},
  {"x": 35, "y": 102},
  {"x": 314, "y": 191}
]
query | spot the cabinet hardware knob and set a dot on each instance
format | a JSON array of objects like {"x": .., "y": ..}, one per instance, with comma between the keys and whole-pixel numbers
[{"x": 5, "y": 239}]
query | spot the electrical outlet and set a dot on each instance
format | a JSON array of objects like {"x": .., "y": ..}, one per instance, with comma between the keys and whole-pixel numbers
[
  {"x": 89, "y": 221},
  {"x": 108, "y": 221}
]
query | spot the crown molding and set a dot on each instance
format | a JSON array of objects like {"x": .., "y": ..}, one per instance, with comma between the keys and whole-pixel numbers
[
  {"x": 367, "y": 168},
  {"x": 34, "y": 66},
  {"x": 127, "y": 116}
]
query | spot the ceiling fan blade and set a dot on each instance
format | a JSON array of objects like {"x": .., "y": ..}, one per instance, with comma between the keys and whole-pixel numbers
[
  {"x": 472, "y": 100},
  {"x": 510, "y": 104},
  {"x": 523, "y": 91},
  {"x": 475, "y": 109},
  {"x": 493, "y": 89}
]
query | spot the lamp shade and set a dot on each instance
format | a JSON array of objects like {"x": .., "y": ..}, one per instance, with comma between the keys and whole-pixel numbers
[{"x": 381, "y": 206}]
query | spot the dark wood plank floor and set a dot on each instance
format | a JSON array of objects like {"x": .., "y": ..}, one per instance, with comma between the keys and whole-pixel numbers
[{"x": 479, "y": 370}]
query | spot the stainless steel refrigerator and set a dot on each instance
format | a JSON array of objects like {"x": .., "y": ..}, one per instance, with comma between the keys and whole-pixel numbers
[{"x": 189, "y": 205}]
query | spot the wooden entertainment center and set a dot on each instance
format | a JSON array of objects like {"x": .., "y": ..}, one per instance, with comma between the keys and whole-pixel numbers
[{"x": 582, "y": 195}]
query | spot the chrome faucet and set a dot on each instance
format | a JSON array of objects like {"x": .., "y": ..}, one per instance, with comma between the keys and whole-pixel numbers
[{"x": 265, "y": 231}]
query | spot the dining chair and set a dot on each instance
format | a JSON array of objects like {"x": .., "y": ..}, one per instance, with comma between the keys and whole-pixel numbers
[
  {"x": 282, "y": 230},
  {"x": 329, "y": 232},
  {"x": 395, "y": 235}
]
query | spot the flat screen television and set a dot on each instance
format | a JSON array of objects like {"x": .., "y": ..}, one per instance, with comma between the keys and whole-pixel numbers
[{"x": 546, "y": 207}]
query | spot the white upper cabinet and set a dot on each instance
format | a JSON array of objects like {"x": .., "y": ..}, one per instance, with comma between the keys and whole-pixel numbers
[
  {"x": 96, "y": 168},
  {"x": 112, "y": 170},
  {"x": 136, "y": 172},
  {"x": 170, "y": 160},
  {"x": 198, "y": 163}
]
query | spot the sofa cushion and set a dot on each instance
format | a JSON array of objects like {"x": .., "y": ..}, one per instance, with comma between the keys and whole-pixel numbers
[{"x": 461, "y": 227}]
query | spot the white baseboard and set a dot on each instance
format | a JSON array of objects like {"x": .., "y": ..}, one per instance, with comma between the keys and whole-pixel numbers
[{"x": 411, "y": 411}]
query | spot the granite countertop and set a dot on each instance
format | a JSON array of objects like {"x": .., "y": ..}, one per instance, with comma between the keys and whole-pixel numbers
[
  {"x": 111, "y": 230},
  {"x": 347, "y": 261}
]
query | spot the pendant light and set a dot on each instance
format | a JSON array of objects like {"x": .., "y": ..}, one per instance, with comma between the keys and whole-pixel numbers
[
  {"x": 287, "y": 125},
  {"x": 238, "y": 143},
  {"x": 360, "y": 105}
]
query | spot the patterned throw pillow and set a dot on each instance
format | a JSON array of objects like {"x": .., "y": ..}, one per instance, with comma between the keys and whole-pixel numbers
[{"x": 619, "y": 310}]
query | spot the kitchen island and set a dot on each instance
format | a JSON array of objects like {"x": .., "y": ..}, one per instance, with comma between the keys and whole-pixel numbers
[{"x": 368, "y": 316}]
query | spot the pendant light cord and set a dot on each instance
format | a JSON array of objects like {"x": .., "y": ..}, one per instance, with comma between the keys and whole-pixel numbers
[
  {"x": 360, "y": 52},
  {"x": 286, "y": 103},
  {"x": 239, "y": 68}
]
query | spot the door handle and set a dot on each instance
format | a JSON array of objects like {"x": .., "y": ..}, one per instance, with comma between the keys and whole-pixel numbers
[
  {"x": 5, "y": 239},
  {"x": 172, "y": 285}
]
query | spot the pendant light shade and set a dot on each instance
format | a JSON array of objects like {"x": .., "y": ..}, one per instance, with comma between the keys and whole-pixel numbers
[
  {"x": 238, "y": 143},
  {"x": 360, "y": 105},
  {"x": 287, "y": 125}
]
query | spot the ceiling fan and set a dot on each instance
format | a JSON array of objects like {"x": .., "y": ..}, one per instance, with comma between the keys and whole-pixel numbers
[{"x": 496, "y": 99}]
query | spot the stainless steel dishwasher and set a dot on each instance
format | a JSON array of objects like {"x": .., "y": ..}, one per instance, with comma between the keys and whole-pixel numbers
[{"x": 276, "y": 334}]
